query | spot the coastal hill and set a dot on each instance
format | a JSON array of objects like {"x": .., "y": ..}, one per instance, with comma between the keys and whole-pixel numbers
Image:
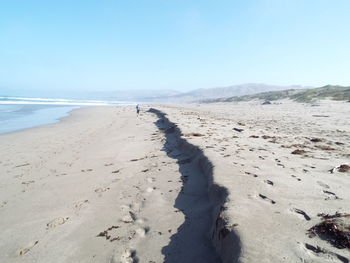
[
  {"x": 219, "y": 92},
  {"x": 299, "y": 95}
]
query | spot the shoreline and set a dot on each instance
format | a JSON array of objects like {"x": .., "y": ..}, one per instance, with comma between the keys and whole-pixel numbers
[{"x": 51, "y": 121}]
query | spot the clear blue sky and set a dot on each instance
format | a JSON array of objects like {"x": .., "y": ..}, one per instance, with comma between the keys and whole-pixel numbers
[{"x": 172, "y": 44}]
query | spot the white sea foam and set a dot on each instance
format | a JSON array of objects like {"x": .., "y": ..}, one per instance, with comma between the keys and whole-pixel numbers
[
  {"x": 33, "y": 99},
  {"x": 57, "y": 101}
]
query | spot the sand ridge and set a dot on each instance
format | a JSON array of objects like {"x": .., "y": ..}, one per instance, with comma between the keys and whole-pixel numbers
[
  {"x": 199, "y": 238},
  {"x": 275, "y": 196}
]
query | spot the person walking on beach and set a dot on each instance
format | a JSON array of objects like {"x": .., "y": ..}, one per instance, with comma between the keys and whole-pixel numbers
[{"x": 137, "y": 109}]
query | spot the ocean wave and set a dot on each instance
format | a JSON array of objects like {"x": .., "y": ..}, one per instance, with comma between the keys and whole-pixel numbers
[
  {"x": 34, "y": 99},
  {"x": 9, "y": 108},
  {"x": 55, "y": 103},
  {"x": 51, "y": 101}
]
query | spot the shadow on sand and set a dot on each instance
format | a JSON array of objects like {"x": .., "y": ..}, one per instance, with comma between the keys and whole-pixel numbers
[{"x": 203, "y": 237}]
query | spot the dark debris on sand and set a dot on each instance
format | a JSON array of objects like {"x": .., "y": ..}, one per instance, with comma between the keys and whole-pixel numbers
[
  {"x": 319, "y": 250},
  {"x": 298, "y": 151},
  {"x": 195, "y": 134},
  {"x": 316, "y": 140},
  {"x": 334, "y": 229},
  {"x": 265, "y": 137},
  {"x": 343, "y": 168},
  {"x": 238, "y": 129},
  {"x": 325, "y": 147},
  {"x": 107, "y": 235}
]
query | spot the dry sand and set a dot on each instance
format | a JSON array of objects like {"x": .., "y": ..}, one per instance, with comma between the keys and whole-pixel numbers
[{"x": 106, "y": 186}]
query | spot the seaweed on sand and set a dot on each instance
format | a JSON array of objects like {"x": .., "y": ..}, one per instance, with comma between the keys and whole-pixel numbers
[{"x": 334, "y": 228}]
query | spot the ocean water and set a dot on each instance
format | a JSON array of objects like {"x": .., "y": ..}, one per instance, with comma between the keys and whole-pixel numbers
[
  {"x": 17, "y": 113},
  {"x": 18, "y": 117}
]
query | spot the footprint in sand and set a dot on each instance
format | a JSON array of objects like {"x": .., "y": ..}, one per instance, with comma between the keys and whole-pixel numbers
[
  {"x": 3, "y": 203},
  {"x": 301, "y": 212},
  {"x": 151, "y": 179},
  {"x": 296, "y": 178},
  {"x": 330, "y": 195},
  {"x": 101, "y": 190},
  {"x": 142, "y": 231},
  {"x": 323, "y": 184},
  {"x": 150, "y": 189},
  {"x": 56, "y": 222},
  {"x": 125, "y": 207},
  {"x": 129, "y": 218},
  {"x": 21, "y": 165},
  {"x": 128, "y": 256},
  {"x": 79, "y": 205},
  {"x": 28, "y": 182},
  {"x": 87, "y": 170},
  {"x": 27, "y": 248},
  {"x": 115, "y": 180},
  {"x": 267, "y": 199},
  {"x": 268, "y": 182},
  {"x": 254, "y": 175},
  {"x": 279, "y": 164}
]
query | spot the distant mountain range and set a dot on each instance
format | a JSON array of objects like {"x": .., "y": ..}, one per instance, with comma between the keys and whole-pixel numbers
[{"x": 199, "y": 95}]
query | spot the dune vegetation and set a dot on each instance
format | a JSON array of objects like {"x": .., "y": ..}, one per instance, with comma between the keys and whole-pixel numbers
[{"x": 299, "y": 95}]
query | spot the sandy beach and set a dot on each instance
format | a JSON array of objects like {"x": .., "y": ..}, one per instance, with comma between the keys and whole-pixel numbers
[{"x": 225, "y": 182}]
